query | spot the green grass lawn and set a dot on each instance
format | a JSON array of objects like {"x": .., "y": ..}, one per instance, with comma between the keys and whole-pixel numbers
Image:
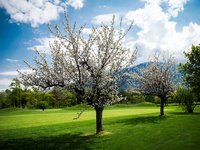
[{"x": 126, "y": 127}]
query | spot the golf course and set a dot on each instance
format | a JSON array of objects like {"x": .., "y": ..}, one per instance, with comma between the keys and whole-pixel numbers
[{"x": 125, "y": 126}]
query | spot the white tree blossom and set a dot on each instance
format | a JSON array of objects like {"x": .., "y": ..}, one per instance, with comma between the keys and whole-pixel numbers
[
  {"x": 158, "y": 78},
  {"x": 90, "y": 66}
]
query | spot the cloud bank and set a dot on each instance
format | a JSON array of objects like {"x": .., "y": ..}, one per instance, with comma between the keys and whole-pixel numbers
[
  {"x": 37, "y": 12},
  {"x": 104, "y": 18},
  {"x": 77, "y": 4},
  {"x": 158, "y": 31}
]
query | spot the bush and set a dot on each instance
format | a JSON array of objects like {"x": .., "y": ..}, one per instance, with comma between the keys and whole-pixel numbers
[
  {"x": 3, "y": 100},
  {"x": 150, "y": 98},
  {"x": 62, "y": 98},
  {"x": 132, "y": 97},
  {"x": 42, "y": 105},
  {"x": 186, "y": 98}
]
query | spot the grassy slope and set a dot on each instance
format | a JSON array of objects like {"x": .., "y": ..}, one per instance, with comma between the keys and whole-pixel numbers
[{"x": 127, "y": 127}]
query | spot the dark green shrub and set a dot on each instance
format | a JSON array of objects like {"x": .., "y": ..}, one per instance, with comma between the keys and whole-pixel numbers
[
  {"x": 132, "y": 97},
  {"x": 42, "y": 105},
  {"x": 150, "y": 98},
  {"x": 186, "y": 98}
]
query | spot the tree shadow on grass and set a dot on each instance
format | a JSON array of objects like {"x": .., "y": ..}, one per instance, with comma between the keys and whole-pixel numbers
[
  {"x": 184, "y": 113},
  {"x": 142, "y": 120},
  {"x": 66, "y": 142}
]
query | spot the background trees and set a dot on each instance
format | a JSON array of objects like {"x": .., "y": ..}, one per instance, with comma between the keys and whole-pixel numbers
[
  {"x": 189, "y": 95},
  {"x": 89, "y": 65},
  {"x": 16, "y": 93},
  {"x": 42, "y": 105},
  {"x": 158, "y": 78},
  {"x": 191, "y": 69},
  {"x": 62, "y": 97},
  {"x": 4, "y": 100},
  {"x": 23, "y": 97}
]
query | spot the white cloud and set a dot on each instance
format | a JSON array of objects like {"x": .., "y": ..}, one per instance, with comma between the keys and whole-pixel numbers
[
  {"x": 5, "y": 81},
  {"x": 9, "y": 73},
  {"x": 176, "y": 6},
  {"x": 87, "y": 31},
  {"x": 158, "y": 31},
  {"x": 11, "y": 60},
  {"x": 77, "y": 4},
  {"x": 104, "y": 18},
  {"x": 7, "y": 76},
  {"x": 103, "y": 7},
  {"x": 14, "y": 73},
  {"x": 35, "y": 12},
  {"x": 43, "y": 44}
]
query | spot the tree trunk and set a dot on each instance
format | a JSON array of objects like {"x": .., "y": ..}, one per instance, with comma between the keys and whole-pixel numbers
[
  {"x": 190, "y": 110},
  {"x": 162, "y": 104},
  {"x": 99, "y": 123}
]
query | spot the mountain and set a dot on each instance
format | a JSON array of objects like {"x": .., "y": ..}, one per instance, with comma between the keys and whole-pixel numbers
[{"x": 136, "y": 69}]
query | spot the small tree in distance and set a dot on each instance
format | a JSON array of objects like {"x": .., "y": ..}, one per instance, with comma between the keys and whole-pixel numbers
[
  {"x": 157, "y": 78},
  {"x": 42, "y": 105},
  {"x": 90, "y": 66},
  {"x": 16, "y": 93}
]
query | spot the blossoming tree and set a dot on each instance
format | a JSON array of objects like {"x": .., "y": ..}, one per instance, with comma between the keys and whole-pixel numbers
[
  {"x": 158, "y": 78},
  {"x": 88, "y": 64}
]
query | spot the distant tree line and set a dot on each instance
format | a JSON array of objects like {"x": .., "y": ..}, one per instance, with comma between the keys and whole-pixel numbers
[
  {"x": 19, "y": 97},
  {"x": 57, "y": 97}
]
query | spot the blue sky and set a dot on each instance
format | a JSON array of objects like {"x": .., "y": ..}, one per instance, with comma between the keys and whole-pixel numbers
[{"x": 165, "y": 25}]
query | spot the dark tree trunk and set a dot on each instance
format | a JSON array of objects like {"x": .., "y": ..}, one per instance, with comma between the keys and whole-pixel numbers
[
  {"x": 190, "y": 110},
  {"x": 80, "y": 93},
  {"x": 99, "y": 123},
  {"x": 162, "y": 104}
]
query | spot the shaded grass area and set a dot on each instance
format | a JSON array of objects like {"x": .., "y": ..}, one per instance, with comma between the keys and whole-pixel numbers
[
  {"x": 125, "y": 128},
  {"x": 65, "y": 141}
]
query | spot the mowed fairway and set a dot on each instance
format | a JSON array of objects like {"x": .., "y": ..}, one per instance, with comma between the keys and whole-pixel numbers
[{"x": 126, "y": 127}]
